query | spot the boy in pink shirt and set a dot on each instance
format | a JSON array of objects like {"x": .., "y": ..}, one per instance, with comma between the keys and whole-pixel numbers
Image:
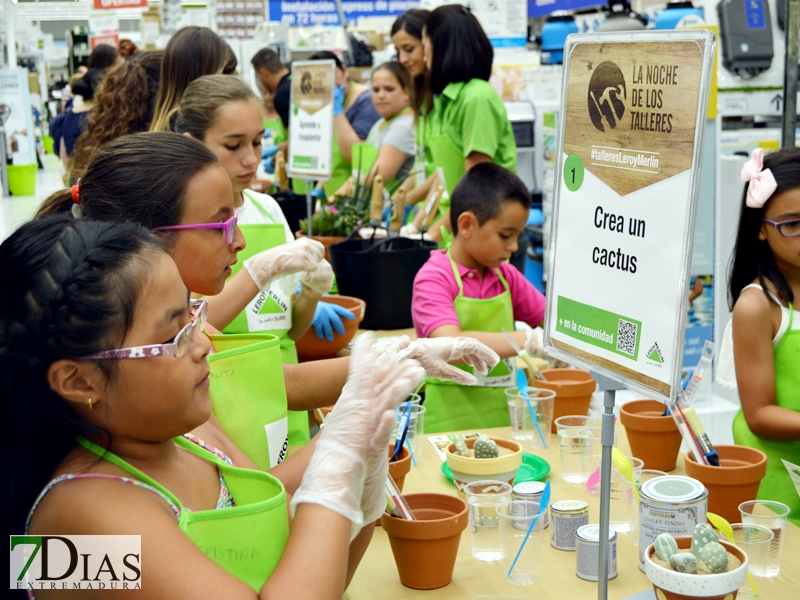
[{"x": 472, "y": 291}]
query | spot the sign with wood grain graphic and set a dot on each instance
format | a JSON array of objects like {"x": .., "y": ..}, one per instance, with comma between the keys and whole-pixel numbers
[{"x": 633, "y": 109}]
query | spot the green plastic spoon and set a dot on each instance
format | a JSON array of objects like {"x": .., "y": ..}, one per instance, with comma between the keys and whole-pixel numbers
[{"x": 726, "y": 529}]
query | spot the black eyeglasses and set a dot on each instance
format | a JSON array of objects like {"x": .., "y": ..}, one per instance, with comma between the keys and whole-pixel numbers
[{"x": 787, "y": 229}]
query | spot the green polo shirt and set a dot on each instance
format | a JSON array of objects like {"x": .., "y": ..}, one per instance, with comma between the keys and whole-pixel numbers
[{"x": 473, "y": 116}]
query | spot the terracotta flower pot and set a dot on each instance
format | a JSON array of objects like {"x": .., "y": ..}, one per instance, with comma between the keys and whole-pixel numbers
[
  {"x": 653, "y": 438},
  {"x": 325, "y": 240},
  {"x": 734, "y": 482},
  {"x": 311, "y": 347},
  {"x": 425, "y": 549},
  {"x": 400, "y": 468},
  {"x": 573, "y": 388},
  {"x": 467, "y": 469},
  {"x": 671, "y": 585}
]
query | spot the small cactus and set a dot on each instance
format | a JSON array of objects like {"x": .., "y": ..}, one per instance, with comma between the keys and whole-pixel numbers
[
  {"x": 684, "y": 562},
  {"x": 461, "y": 445},
  {"x": 703, "y": 535},
  {"x": 665, "y": 546},
  {"x": 714, "y": 557},
  {"x": 485, "y": 448}
]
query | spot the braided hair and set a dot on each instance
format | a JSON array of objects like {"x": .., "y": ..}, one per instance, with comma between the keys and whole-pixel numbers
[{"x": 70, "y": 289}]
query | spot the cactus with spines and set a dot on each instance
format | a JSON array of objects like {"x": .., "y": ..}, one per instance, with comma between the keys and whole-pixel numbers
[
  {"x": 485, "y": 448},
  {"x": 461, "y": 445}
]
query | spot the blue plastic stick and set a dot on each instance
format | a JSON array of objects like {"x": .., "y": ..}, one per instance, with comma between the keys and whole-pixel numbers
[
  {"x": 542, "y": 507},
  {"x": 410, "y": 449},
  {"x": 522, "y": 384}
]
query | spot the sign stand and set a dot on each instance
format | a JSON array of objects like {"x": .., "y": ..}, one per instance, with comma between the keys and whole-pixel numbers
[
  {"x": 610, "y": 387},
  {"x": 309, "y": 204},
  {"x": 629, "y": 150}
]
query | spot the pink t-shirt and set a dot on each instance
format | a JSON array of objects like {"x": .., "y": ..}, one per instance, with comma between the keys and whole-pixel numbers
[{"x": 435, "y": 289}]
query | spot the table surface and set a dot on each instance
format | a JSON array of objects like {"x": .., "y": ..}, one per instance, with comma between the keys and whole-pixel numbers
[{"x": 377, "y": 579}]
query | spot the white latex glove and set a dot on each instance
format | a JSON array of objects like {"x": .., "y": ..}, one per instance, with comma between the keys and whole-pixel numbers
[
  {"x": 356, "y": 430},
  {"x": 434, "y": 354},
  {"x": 320, "y": 279},
  {"x": 534, "y": 341},
  {"x": 287, "y": 259}
]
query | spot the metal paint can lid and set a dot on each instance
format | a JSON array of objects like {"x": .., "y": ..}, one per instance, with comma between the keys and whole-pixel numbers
[
  {"x": 570, "y": 507},
  {"x": 528, "y": 488},
  {"x": 591, "y": 534},
  {"x": 673, "y": 488}
]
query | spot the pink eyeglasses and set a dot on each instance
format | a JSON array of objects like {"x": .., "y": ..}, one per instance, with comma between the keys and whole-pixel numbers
[
  {"x": 180, "y": 345},
  {"x": 227, "y": 226}
]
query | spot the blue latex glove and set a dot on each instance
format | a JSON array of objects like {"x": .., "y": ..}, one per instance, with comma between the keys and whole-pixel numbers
[
  {"x": 269, "y": 165},
  {"x": 328, "y": 318},
  {"x": 338, "y": 99},
  {"x": 269, "y": 151},
  {"x": 268, "y": 133},
  {"x": 319, "y": 193}
]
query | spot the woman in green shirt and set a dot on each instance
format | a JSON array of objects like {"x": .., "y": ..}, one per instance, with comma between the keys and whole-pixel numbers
[{"x": 465, "y": 122}]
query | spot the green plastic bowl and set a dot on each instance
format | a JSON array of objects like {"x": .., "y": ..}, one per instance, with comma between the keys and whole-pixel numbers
[{"x": 533, "y": 468}]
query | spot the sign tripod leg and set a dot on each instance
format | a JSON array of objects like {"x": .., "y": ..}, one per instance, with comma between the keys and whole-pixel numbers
[
  {"x": 309, "y": 204},
  {"x": 610, "y": 387}
]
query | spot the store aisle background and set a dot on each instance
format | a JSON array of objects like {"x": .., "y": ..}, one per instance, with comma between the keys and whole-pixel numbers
[{"x": 15, "y": 210}]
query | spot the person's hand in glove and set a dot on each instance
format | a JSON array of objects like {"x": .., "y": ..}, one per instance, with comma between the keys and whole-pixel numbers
[
  {"x": 328, "y": 318},
  {"x": 268, "y": 152},
  {"x": 338, "y": 99},
  {"x": 356, "y": 433},
  {"x": 534, "y": 342},
  {"x": 320, "y": 279},
  {"x": 319, "y": 193},
  {"x": 287, "y": 259},
  {"x": 269, "y": 165},
  {"x": 435, "y": 354}
]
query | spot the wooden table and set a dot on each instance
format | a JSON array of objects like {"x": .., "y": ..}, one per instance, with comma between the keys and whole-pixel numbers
[{"x": 377, "y": 579}]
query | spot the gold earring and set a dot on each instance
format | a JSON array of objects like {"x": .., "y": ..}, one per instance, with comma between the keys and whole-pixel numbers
[{"x": 90, "y": 404}]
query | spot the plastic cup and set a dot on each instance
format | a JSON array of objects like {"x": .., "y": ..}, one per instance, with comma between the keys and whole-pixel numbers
[
  {"x": 755, "y": 540},
  {"x": 483, "y": 498},
  {"x": 413, "y": 398},
  {"x": 515, "y": 520},
  {"x": 772, "y": 515},
  {"x": 623, "y": 508},
  {"x": 416, "y": 428},
  {"x": 592, "y": 454},
  {"x": 571, "y": 446},
  {"x": 523, "y": 428}
]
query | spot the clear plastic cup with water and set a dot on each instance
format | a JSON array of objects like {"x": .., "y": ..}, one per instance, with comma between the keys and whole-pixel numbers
[
  {"x": 772, "y": 515},
  {"x": 571, "y": 447},
  {"x": 483, "y": 498}
]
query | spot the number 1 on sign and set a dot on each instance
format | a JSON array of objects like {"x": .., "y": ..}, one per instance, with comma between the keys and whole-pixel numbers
[{"x": 573, "y": 172}]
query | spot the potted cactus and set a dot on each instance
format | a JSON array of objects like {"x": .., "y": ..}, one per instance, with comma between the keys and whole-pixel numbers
[
  {"x": 696, "y": 567},
  {"x": 480, "y": 458}
]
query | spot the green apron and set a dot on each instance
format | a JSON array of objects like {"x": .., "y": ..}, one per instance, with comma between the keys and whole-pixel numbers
[
  {"x": 248, "y": 395},
  {"x": 451, "y": 407},
  {"x": 777, "y": 484},
  {"x": 280, "y": 130},
  {"x": 270, "y": 311},
  {"x": 340, "y": 166},
  {"x": 246, "y": 540}
]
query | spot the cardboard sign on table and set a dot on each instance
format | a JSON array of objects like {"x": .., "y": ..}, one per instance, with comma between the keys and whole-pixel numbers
[{"x": 311, "y": 120}]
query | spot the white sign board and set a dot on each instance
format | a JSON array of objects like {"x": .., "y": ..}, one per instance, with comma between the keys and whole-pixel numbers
[
  {"x": 311, "y": 120},
  {"x": 629, "y": 148},
  {"x": 505, "y": 23},
  {"x": 15, "y": 101}
]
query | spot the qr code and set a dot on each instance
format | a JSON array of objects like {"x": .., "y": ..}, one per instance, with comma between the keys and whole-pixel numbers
[{"x": 626, "y": 337}]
